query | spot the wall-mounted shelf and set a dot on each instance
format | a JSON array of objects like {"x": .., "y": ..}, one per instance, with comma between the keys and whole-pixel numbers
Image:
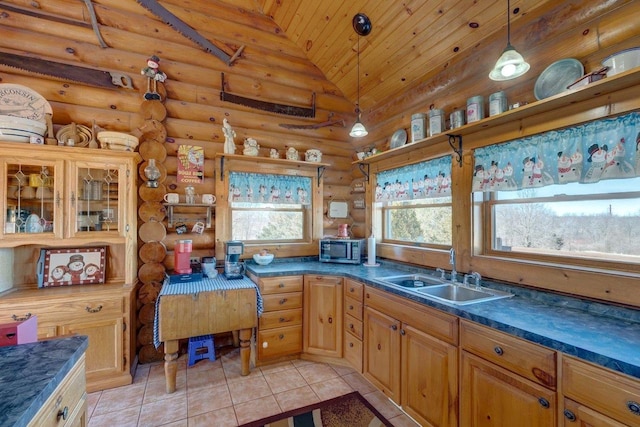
[
  {"x": 171, "y": 214},
  {"x": 567, "y": 98},
  {"x": 297, "y": 163}
]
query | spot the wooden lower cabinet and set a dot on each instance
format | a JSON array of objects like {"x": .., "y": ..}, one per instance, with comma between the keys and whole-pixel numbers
[
  {"x": 67, "y": 405},
  {"x": 505, "y": 381},
  {"x": 404, "y": 359},
  {"x": 280, "y": 326},
  {"x": 100, "y": 312},
  {"x": 323, "y": 316},
  {"x": 353, "y": 325},
  {"x": 598, "y": 397}
]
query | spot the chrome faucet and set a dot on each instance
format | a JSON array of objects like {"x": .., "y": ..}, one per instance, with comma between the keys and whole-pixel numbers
[
  {"x": 442, "y": 273},
  {"x": 475, "y": 276},
  {"x": 452, "y": 261}
]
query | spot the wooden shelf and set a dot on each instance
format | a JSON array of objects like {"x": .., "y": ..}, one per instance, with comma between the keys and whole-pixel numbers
[
  {"x": 170, "y": 214},
  {"x": 605, "y": 86}
]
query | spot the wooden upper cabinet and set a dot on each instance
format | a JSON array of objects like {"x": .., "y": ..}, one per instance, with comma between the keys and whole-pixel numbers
[{"x": 323, "y": 315}]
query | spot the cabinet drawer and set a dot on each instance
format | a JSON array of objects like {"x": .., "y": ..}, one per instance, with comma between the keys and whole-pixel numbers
[
  {"x": 89, "y": 308},
  {"x": 353, "y": 351},
  {"x": 524, "y": 358},
  {"x": 67, "y": 396},
  {"x": 277, "y": 285},
  {"x": 610, "y": 393},
  {"x": 279, "y": 342},
  {"x": 353, "y": 308},
  {"x": 277, "y": 319},
  {"x": 282, "y": 301},
  {"x": 353, "y": 289},
  {"x": 353, "y": 325}
]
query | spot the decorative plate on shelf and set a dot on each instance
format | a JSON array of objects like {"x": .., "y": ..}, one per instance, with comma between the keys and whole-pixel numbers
[
  {"x": 20, "y": 101},
  {"x": 557, "y": 76},
  {"x": 398, "y": 139}
]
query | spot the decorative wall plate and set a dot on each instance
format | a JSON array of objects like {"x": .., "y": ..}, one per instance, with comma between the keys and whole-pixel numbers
[
  {"x": 398, "y": 139},
  {"x": 20, "y": 101}
]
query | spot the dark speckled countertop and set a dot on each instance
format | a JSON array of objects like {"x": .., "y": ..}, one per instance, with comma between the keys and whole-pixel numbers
[
  {"x": 604, "y": 334},
  {"x": 29, "y": 373}
]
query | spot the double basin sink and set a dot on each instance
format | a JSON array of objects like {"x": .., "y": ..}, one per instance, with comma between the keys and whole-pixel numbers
[{"x": 444, "y": 291}]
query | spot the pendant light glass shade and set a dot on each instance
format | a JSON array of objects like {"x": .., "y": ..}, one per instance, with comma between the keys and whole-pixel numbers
[
  {"x": 358, "y": 130},
  {"x": 510, "y": 64}
]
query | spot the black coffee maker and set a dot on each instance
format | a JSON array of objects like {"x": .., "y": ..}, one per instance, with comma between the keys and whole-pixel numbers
[{"x": 233, "y": 267}]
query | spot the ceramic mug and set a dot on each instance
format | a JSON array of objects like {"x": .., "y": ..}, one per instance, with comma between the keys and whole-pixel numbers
[
  {"x": 208, "y": 199},
  {"x": 172, "y": 197}
]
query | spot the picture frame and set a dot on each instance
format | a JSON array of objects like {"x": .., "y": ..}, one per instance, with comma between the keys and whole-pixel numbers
[{"x": 71, "y": 266}]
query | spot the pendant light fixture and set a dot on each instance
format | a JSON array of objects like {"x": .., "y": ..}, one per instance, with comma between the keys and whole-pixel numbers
[
  {"x": 510, "y": 64},
  {"x": 362, "y": 26}
]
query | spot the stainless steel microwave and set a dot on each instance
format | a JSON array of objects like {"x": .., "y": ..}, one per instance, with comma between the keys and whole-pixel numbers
[{"x": 344, "y": 251}]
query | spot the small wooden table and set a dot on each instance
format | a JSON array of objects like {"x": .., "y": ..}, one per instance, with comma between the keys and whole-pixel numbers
[{"x": 200, "y": 308}]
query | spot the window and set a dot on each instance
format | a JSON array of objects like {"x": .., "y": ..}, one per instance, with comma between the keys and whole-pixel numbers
[
  {"x": 270, "y": 208},
  {"x": 598, "y": 221},
  {"x": 413, "y": 204},
  {"x": 574, "y": 199}
]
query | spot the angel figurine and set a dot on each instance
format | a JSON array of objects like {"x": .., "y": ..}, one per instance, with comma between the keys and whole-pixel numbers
[{"x": 229, "y": 135}]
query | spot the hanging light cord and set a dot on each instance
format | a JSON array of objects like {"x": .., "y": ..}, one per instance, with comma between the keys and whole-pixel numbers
[
  {"x": 358, "y": 76},
  {"x": 508, "y": 23}
]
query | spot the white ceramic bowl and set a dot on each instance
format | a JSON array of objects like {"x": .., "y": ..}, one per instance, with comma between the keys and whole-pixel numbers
[
  {"x": 118, "y": 140},
  {"x": 263, "y": 259},
  {"x": 622, "y": 61}
]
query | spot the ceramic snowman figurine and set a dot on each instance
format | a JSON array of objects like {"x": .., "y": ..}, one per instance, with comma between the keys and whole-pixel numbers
[
  {"x": 292, "y": 153},
  {"x": 251, "y": 147}
]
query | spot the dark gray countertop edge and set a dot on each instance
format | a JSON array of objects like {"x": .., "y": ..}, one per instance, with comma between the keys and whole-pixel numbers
[
  {"x": 623, "y": 356},
  {"x": 73, "y": 349}
]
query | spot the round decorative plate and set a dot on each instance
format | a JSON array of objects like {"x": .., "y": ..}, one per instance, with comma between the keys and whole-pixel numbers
[
  {"x": 399, "y": 138},
  {"x": 20, "y": 101},
  {"x": 557, "y": 76}
]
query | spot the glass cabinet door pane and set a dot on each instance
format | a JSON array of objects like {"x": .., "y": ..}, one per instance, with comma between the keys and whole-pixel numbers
[
  {"x": 97, "y": 207},
  {"x": 32, "y": 201}
]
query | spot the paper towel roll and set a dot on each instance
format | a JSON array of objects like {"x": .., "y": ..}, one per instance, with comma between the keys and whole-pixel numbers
[{"x": 371, "y": 250}]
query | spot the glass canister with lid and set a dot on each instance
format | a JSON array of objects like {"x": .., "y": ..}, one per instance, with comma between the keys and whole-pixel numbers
[
  {"x": 418, "y": 130},
  {"x": 436, "y": 121}
]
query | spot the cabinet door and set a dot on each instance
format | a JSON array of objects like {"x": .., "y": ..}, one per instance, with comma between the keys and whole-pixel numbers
[
  {"x": 382, "y": 352},
  {"x": 104, "y": 354},
  {"x": 323, "y": 315},
  {"x": 31, "y": 199},
  {"x": 429, "y": 378},
  {"x": 97, "y": 197},
  {"x": 494, "y": 397},
  {"x": 577, "y": 415}
]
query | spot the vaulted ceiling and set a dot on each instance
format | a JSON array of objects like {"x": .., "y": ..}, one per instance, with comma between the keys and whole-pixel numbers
[{"x": 410, "y": 42}]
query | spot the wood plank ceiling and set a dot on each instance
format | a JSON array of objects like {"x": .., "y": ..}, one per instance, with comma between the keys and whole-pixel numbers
[{"x": 411, "y": 40}]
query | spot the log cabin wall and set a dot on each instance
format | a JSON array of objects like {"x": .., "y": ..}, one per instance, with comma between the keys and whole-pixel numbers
[{"x": 270, "y": 68}]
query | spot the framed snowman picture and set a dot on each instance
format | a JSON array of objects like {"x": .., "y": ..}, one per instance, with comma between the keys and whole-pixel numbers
[{"x": 71, "y": 266}]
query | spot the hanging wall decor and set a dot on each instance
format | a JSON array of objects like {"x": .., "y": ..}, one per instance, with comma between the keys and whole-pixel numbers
[{"x": 190, "y": 164}]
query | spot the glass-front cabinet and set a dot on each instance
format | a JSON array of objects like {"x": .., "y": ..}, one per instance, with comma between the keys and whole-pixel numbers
[{"x": 51, "y": 193}]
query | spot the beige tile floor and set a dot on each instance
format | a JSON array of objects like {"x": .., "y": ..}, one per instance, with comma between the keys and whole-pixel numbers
[{"x": 214, "y": 394}]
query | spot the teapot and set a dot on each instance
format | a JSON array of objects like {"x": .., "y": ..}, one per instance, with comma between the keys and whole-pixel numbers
[{"x": 343, "y": 230}]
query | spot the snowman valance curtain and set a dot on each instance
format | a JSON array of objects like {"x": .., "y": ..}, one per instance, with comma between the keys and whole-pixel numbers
[
  {"x": 422, "y": 180},
  {"x": 268, "y": 188},
  {"x": 603, "y": 149}
]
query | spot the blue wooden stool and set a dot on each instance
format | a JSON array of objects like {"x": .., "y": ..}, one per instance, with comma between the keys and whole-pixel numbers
[{"x": 201, "y": 348}]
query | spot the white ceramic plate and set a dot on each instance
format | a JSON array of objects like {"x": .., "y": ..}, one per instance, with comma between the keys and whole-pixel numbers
[
  {"x": 20, "y": 101},
  {"x": 399, "y": 138},
  {"x": 557, "y": 76}
]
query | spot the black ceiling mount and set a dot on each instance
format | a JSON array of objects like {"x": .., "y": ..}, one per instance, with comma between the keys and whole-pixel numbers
[{"x": 362, "y": 24}]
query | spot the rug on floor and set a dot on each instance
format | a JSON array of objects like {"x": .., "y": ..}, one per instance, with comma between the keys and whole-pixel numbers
[{"x": 350, "y": 410}]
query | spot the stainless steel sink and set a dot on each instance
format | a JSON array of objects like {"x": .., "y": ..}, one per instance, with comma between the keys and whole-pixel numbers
[
  {"x": 441, "y": 290},
  {"x": 461, "y": 295},
  {"x": 413, "y": 280}
]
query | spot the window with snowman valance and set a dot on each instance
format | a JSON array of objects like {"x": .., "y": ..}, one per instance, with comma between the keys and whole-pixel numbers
[
  {"x": 269, "y": 188},
  {"x": 599, "y": 150},
  {"x": 424, "y": 180}
]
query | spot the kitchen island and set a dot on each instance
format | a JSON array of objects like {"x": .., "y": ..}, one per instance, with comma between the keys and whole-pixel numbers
[{"x": 31, "y": 376}]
